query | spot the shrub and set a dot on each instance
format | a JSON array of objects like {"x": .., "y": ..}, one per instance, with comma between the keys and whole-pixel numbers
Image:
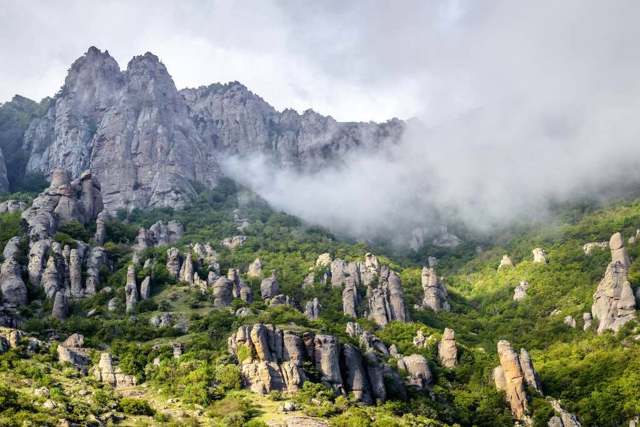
[{"x": 133, "y": 406}]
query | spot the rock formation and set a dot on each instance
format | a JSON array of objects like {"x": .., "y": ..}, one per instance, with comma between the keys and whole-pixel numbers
[
  {"x": 447, "y": 349},
  {"x": 186, "y": 271},
  {"x": 386, "y": 301},
  {"x": 435, "y": 293},
  {"x": 563, "y": 418},
  {"x": 37, "y": 260},
  {"x": 72, "y": 351},
  {"x": 613, "y": 302},
  {"x": 569, "y": 321},
  {"x": 145, "y": 288},
  {"x": 505, "y": 262},
  {"x": 520, "y": 292},
  {"x": 274, "y": 359},
  {"x": 587, "y": 319},
  {"x": 323, "y": 260},
  {"x": 105, "y": 372},
  {"x": 417, "y": 368},
  {"x": 255, "y": 269},
  {"x": 131, "y": 290},
  {"x": 63, "y": 201},
  {"x": 12, "y": 206},
  {"x": 269, "y": 286},
  {"x": 173, "y": 262},
  {"x": 12, "y": 287},
  {"x": 350, "y": 298},
  {"x": 588, "y": 248},
  {"x": 222, "y": 290},
  {"x": 509, "y": 378},
  {"x": 539, "y": 256},
  {"x": 234, "y": 242},
  {"x": 75, "y": 274},
  {"x": 96, "y": 260},
  {"x": 312, "y": 309},
  {"x": 530, "y": 375}
]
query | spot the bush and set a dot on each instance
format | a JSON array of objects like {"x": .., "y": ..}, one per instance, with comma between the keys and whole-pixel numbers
[
  {"x": 133, "y": 406},
  {"x": 75, "y": 230}
]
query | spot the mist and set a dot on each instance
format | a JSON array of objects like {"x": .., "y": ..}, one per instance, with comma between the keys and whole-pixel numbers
[{"x": 520, "y": 105}]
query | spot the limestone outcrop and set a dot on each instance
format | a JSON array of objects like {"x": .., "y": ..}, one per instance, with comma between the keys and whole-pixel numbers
[
  {"x": 562, "y": 418},
  {"x": 72, "y": 351},
  {"x": 255, "y": 269},
  {"x": 269, "y": 287},
  {"x": 131, "y": 290},
  {"x": 12, "y": 206},
  {"x": 447, "y": 349},
  {"x": 520, "y": 292},
  {"x": 222, "y": 290},
  {"x": 186, "y": 270},
  {"x": 106, "y": 372},
  {"x": 174, "y": 261},
  {"x": 386, "y": 301},
  {"x": 417, "y": 368},
  {"x": 350, "y": 298},
  {"x": 63, "y": 201},
  {"x": 505, "y": 262},
  {"x": 539, "y": 256},
  {"x": 530, "y": 375},
  {"x": 613, "y": 302},
  {"x": 273, "y": 359},
  {"x": 12, "y": 288},
  {"x": 233, "y": 242},
  {"x": 37, "y": 260},
  {"x": 145, "y": 288},
  {"x": 312, "y": 309},
  {"x": 589, "y": 248},
  {"x": 510, "y": 378},
  {"x": 435, "y": 292}
]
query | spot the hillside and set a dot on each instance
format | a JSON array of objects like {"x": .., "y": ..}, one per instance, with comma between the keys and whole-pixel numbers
[{"x": 115, "y": 327}]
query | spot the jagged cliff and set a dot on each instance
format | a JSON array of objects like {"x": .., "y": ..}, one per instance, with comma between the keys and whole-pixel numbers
[{"x": 148, "y": 143}]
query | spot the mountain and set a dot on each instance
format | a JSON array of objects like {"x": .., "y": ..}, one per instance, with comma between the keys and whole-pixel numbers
[{"x": 148, "y": 144}]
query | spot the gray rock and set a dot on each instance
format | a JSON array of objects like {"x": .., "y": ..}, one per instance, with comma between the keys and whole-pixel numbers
[
  {"x": 12, "y": 247},
  {"x": 312, "y": 309},
  {"x": 37, "y": 260},
  {"x": 447, "y": 349},
  {"x": 520, "y": 292},
  {"x": 131, "y": 290},
  {"x": 269, "y": 286},
  {"x": 96, "y": 260},
  {"x": 505, "y": 262},
  {"x": 350, "y": 298},
  {"x": 618, "y": 251},
  {"x": 106, "y": 372},
  {"x": 145, "y": 288},
  {"x": 14, "y": 291},
  {"x": 570, "y": 321},
  {"x": 530, "y": 375},
  {"x": 539, "y": 256},
  {"x": 12, "y": 206},
  {"x": 417, "y": 368},
  {"x": 161, "y": 320},
  {"x": 435, "y": 293},
  {"x": 233, "y": 242},
  {"x": 589, "y": 248},
  {"x": 186, "y": 271},
  {"x": 326, "y": 353},
  {"x": 173, "y": 262},
  {"x": 255, "y": 269},
  {"x": 75, "y": 274},
  {"x": 51, "y": 278},
  {"x": 613, "y": 302},
  {"x": 113, "y": 303},
  {"x": 222, "y": 292},
  {"x": 386, "y": 302},
  {"x": 60, "y": 309}
]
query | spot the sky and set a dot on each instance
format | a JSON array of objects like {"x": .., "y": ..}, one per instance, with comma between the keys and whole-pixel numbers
[{"x": 517, "y": 103}]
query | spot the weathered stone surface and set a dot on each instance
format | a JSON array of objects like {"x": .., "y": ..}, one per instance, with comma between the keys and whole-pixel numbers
[
  {"x": 355, "y": 375},
  {"x": 173, "y": 262},
  {"x": 96, "y": 260},
  {"x": 350, "y": 298},
  {"x": 12, "y": 206},
  {"x": 312, "y": 309},
  {"x": 131, "y": 290},
  {"x": 505, "y": 262},
  {"x": 269, "y": 287},
  {"x": 447, "y": 349},
  {"x": 75, "y": 274},
  {"x": 255, "y": 269},
  {"x": 539, "y": 256},
  {"x": 63, "y": 201},
  {"x": 161, "y": 320},
  {"x": 14, "y": 291},
  {"x": 386, "y": 302},
  {"x": 520, "y": 292},
  {"x": 589, "y": 248},
  {"x": 280, "y": 299},
  {"x": 145, "y": 288},
  {"x": 105, "y": 372},
  {"x": 11, "y": 248},
  {"x": 326, "y": 351},
  {"x": 72, "y": 351},
  {"x": 101, "y": 228},
  {"x": 323, "y": 260},
  {"x": 530, "y": 375},
  {"x": 417, "y": 368},
  {"x": 618, "y": 251},
  {"x": 222, "y": 292},
  {"x": 565, "y": 418},
  {"x": 613, "y": 302},
  {"x": 512, "y": 380},
  {"x": 186, "y": 271},
  {"x": 60, "y": 308},
  {"x": 37, "y": 260},
  {"x": 233, "y": 242},
  {"x": 166, "y": 233},
  {"x": 435, "y": 293}
]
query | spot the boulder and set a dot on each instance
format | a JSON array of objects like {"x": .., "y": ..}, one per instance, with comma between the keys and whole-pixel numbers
[
  {"x": 312, "y": 309},
  {"x": 386, "y": 301},
  {"x": 105, "y": 372},
  {"x": 269, "y": 286},
  {"x": 447, "y": 349},
  {"x": 570, "y": 321},
  {"x": 417, "y": 368},
  {"x": 589, "y": 248},
  {"x": 161, "y": 320},
  {"x": 327, "y": 361},
  {"x": 222, "y": 292},
  {"x": 72, "y": 351},
  {"x": 539, "y": 256},
  {"x": 355, "y": 374},
  {"x": 255, "y": 269},
  {"x": 520, "y": 292},
  {"x": 563, "y": 417},
  {"x": 14, "y": 291},
  {"x": 435, "y": 293},
  {"x": 12, "y": 206},
  {"x": 234, "y": 242},
  {"x": 587, "y": 319},
  {"x": 505, "y": 262},
  {"x": 166, "y": 233}
]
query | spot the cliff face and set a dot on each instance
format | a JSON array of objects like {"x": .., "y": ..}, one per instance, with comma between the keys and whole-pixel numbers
[{"x": 147, "y": 143}]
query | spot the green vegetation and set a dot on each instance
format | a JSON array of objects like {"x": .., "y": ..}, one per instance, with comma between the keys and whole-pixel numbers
[{"x": 595, "y": 377}]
